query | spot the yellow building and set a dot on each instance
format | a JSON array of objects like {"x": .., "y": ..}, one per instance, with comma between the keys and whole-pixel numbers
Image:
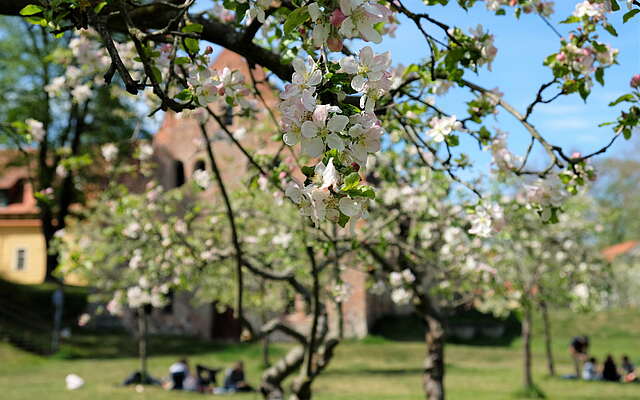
[{"x": 22, "y": 246}]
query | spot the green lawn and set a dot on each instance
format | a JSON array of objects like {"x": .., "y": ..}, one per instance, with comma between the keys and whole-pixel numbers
[{"x": 364, "y": 370}]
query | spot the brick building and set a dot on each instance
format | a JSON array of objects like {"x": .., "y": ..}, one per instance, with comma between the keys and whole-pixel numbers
[{"x": 179, "y": 156}]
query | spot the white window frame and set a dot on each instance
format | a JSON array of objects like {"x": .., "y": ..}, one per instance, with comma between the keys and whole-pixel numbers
[{"x": 16, "y": 259}]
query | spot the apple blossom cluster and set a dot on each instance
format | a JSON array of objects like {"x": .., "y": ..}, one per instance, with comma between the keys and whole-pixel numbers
[
  {"x": 320, "y": 199},
  {"x": 353, "y": 18},
  {"x": 35, "y": 129},
  {"x": 577, "y": 175},
  {"x": 110, "y": 152},
  {"x": 401, "y": 294},
  {"x": 545, "y": 196},
  {"x": 544, "y": 8},
  {"x": 486, "y": 219},
  {"x": 85, "y": 64},
  {"x": 332, "y": 189},
  {"x": 580, "y": 58},
  {"x": 441, "y": 127},
  {"x": 594, "y": 9},
  {"x": 340, "y": 292},
  {"x": 484, "y": 42},
  {"x": 502, "y": 158}
]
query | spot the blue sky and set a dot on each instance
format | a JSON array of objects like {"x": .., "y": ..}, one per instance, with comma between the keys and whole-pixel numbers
[{"x": 518, "y": 72}]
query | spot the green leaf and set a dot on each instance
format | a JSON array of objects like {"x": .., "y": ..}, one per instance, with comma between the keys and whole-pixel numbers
[
  {"x": 342, "y": 221},
  {"x": 614, "y": 5},
  {"x": 193, "y": 45},
  {"x": 157, "y": 75},
  {"x": 368, "y": 192},
  {"x": 36, "y": 21},
  {"x": 452, "y": 140},
  {"x": 600, "y": 76},
  {"x": 295, "y": 19},
  {"x": 31, "y": 9},
  {"x": 182, "y": 60},
  {"x": 624, "y": 97},
  {"x": 99, "y": 7},
  {"x": 572, "y": 19},
  {"x": 185, "y": 95},
  {"x": 351, "y": 181},
  {"x": 609, "y": 28},
  {"x": 241, "y": 11},
  {"x": 627, "y": 16},
  {"x": 308, "y": 171},
  {"x": 197, "y": 28}
]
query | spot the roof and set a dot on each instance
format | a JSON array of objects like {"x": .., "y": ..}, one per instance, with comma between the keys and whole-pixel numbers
[
  {"x": 9, "y": 178},
  {"x": 610, "y": 253}
]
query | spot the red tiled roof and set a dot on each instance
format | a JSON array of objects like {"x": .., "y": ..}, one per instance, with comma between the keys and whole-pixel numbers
[{"x": 610, "y": 253}]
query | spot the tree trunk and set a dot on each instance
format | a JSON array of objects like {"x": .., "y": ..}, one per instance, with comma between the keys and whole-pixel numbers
[
  {"x": 265, "y": 352},
  {"x": 547, "y": 338},
  {"x": 433, "y": 376},
  {"x": 272, "y": 378},
  {"x": 340, "y": 314},
  {"x": 142, "y": 344},
  {"x": 52, "y": 257},
  {"x": 526, "y": 336}
]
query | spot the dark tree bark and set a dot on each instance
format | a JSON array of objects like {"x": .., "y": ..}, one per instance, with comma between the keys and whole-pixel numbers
[
  {"x": 547, "y": 338},
  {"x": 526, "y": 337},
  {"x": 433, "y": 375},
  {"x": 142, "y": 343}
]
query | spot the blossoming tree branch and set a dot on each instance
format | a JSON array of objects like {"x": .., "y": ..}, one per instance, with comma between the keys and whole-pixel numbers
[{"x": 340, "y": 101}]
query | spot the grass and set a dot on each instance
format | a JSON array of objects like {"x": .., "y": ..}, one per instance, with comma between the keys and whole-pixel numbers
[{"x": 370, "y": 369}]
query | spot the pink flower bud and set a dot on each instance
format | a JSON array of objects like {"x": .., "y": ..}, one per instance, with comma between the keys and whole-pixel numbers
[
  {"x": 334, "y": 44},
  {"x": 560, "y": 57},
  {"x": 635, "y": 81},
  {"x": 576, "y": 154},
  {"x": 337, "y": 17},
  {"x": 208, "y": 50}
]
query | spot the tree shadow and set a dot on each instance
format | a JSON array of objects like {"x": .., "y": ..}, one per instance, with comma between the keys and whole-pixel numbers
[{"x": 469, "y": 327}]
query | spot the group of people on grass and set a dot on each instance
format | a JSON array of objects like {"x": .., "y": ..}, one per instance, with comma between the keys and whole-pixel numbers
[
  {"x": 204, "y": 380},
  {"x": 588, "y": 369}
]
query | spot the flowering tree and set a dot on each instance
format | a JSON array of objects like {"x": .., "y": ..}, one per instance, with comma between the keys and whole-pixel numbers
[
  {"x": 336, "y": 100},
  {"x": 429, "y": 250},
  {"x": 339, "y": 97},
  {"x": 541, "y": 265},
  {"x": 136, "y": 249},
  {"x": 56, "y": 132}
]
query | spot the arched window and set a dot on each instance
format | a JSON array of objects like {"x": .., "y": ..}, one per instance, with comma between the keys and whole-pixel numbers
[
  {"x": 179, "y": 167},
  {"x": 199, "y": 166}
]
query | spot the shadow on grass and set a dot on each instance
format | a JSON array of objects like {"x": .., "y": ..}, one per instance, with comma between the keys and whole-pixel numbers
[
  {"x": 109, "y": 345},
  {"x": 410, "y": 328},
  {"x": 372, "y": 371}
]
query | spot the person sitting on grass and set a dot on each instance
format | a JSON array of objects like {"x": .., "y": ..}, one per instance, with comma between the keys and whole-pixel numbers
[
  {"x": 628, "y": 370},
  {"x": 590, "y": 370},
  {"x": 234, "y": 380},
  {"x": 609, "y": 370},
  {"x": 179, "y": 372}
]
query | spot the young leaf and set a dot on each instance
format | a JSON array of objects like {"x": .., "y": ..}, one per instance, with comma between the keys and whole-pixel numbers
[
  {"x": 609, "y": 28},
  {"x": 351, "y": 181},
  {"x": 31, "y": 9},
  {"x": 197, "y": 28},
  {"x": 624, "y": 97},
  {"x": 295, "y": 19},
  {"x": 627, "y": 16}
]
